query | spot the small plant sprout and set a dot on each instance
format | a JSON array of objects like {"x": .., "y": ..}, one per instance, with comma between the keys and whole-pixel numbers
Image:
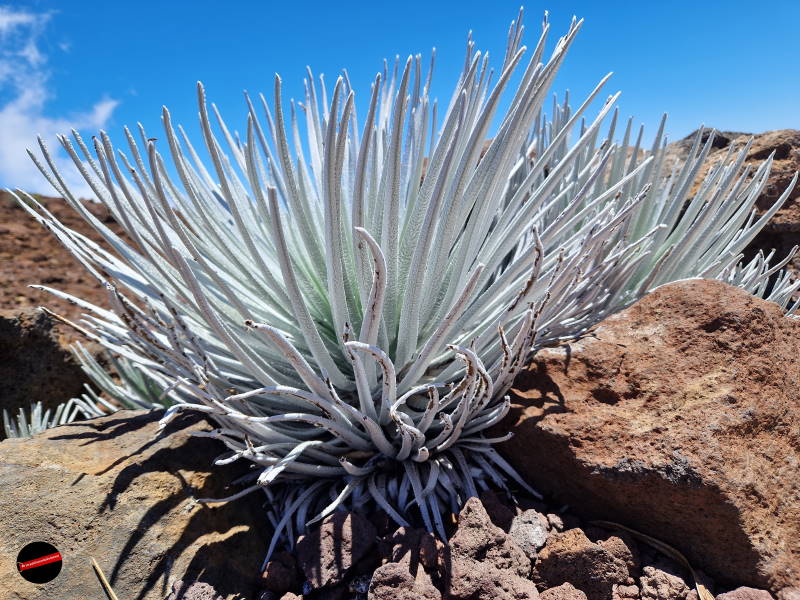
[
  {"x": 38, "y": 418},
  {"x": 349, "y": 297}
]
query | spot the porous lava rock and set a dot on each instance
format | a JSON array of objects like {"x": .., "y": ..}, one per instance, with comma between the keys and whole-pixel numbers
[
  {"x": 117, "y": 489},
  {"x": 280, "y": 574},
  {"x": 658, "y": 584},
  {"x": 626, "y": 592},
  {"x": 678, "y": 417},
  {"x": 745, "y": 593},
  {"x": 485, "y": 562},
  {"x": 565, "y": 591},
  {"x": 328, "y": 552},
  {"x": 481, "y": 561},
  {"x": 418, "y": 550},
  {"x": 393, "y": 581},
  {"x": 571, "y": 557},
  {"x": 34, "y": 367},
  {"x": 529, "y": 530}
]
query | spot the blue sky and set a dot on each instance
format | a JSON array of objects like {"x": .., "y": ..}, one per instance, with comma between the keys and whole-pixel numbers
[{"x": 92, "y": 65}]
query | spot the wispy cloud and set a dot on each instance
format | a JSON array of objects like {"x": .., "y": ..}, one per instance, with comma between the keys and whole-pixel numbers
[{"x": 25, "y": 91}]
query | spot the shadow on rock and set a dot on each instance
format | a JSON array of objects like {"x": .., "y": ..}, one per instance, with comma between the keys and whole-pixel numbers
[{"x": 126, "y": 494}]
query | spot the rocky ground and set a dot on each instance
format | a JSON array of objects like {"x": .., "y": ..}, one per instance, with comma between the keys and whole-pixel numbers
[
  {"x": 782, "y": 233},
  {"x": 34, "y": 360},
  {"x": 30, "y": 255},
  {"x": 676, "y": 422},
  {"x": 125, "y": 495}
]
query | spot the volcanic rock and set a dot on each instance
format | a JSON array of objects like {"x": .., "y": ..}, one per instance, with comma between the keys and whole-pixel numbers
[
  {"x": 657, "y": 584},
  {"x": 117, "y": 489},
  {"x": 626, "y": 592},
  {"x": 570, "y": 557},
  {"x": 417, "y": 548},
  {"x": 565, "y": 591},
  {"x": 529, "y": 530},
  {"x": 327, "y": 552},
  {"x": 34, "y": 367},
  {"x": 620, "y": 545},
  {"x": 745, "y": 593},
  {"x": 486, "y": 563},
  {"x": 680, "y": 418},
  {"x": 782, "y": 232},
  {"x": 280, "y": 573},
  {"x": 783, "y": 144},
  {"x": 393, "y": 581}
]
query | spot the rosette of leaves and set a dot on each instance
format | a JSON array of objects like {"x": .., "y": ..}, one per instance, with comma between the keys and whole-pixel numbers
[
  {"x": 350, "y": 299},
  {"x": 38, "y": 418}
]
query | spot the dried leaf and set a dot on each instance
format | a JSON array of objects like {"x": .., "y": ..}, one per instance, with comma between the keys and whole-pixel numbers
[
  {"x": 664, "y": 548},
  {"x": 103, "y": 581}
]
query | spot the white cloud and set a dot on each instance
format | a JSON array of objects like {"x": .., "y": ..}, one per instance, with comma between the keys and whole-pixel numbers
[
  {"x": 24, "y": 87},
  {"x": 11, "y": 19}
]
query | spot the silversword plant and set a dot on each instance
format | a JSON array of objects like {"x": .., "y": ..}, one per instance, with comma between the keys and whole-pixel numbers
[
  {"x": 39, "y": 418},
  {"x": 350, "y": 300}
]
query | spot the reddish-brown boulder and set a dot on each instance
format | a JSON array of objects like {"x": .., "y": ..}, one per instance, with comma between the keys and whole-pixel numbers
[
  {"x": 679, "y": 417},
  {"x": 485, "y": 563},
  {"x": 570, "y": 557}
]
